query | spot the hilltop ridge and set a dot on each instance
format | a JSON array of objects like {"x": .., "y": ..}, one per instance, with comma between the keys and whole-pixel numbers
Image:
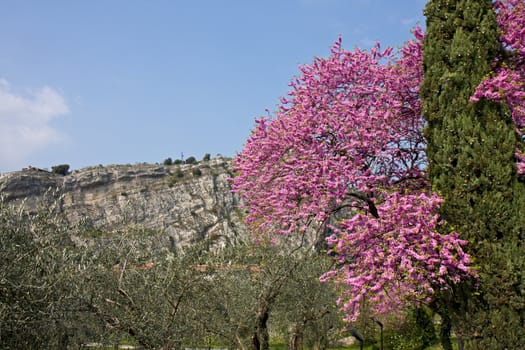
[{"x": 184, "y": 202}]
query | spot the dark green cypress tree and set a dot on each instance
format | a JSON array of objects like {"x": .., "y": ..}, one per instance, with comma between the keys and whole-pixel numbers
[{"x": 472, "y": 166}]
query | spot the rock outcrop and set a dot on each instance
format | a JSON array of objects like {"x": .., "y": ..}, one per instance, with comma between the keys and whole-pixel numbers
[{"x": 185, "y": 203}]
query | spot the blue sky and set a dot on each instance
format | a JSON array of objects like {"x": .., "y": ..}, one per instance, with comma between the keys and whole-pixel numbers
[{"x": 128, "y": 81}]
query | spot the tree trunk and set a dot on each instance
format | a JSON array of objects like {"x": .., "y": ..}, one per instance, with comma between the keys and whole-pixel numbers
[
  {"x": 321, "y": 343},
  {"x": 260, "y": 338},
  {"x": 256, "y": 344},
  {"x": 262, "y": 328},
  {"x": 296, "y": 339},
  {"x": 460, "y": 343},
  {"x": 444, "y": 332}
]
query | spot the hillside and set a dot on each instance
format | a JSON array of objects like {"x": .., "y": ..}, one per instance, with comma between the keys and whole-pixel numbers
[{"x": 184, "y": 202}]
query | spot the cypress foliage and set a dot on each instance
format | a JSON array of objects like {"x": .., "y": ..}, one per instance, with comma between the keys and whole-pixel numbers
[{"x": 471, "y": 163}]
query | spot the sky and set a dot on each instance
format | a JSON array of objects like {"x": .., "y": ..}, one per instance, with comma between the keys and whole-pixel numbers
[{"x": 91, "y": 82}]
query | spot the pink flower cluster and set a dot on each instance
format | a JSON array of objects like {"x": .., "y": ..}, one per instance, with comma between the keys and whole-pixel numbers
[
  {"x": 397, "y": 259},
  {"x": 349, "y": 136},
  {"x": 350, "y": 121},
  {"x": 507, "y": 84}
]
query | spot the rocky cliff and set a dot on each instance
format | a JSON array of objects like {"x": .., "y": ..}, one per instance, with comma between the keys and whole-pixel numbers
[{"x": 183, "y": 202}]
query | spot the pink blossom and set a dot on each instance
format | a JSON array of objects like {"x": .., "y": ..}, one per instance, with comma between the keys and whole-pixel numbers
[{"x": 346, "y": 152}]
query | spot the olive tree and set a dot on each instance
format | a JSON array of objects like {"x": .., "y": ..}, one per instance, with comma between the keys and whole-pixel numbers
[{"x": 39, "y": 284}]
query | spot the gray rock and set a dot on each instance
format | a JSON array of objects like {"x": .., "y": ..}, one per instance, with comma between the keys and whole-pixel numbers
[{"x": 174, "y": 200}]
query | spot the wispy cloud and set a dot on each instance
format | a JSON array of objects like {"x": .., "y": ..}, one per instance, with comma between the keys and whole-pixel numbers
[
  {"x": 408, "y": 21},
  {"x": 25, "y": 122}
]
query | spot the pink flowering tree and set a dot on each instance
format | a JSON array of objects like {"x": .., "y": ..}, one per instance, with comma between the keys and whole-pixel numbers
[
  {"x": 507, "y": 83},
  {"x": 346, "y": 153}
]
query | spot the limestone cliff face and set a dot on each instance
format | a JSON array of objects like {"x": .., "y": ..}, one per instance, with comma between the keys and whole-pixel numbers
[{"x": 185, "y": 202}]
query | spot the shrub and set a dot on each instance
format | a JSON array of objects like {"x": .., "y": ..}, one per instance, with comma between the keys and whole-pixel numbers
[
  {"x": 206, "y": 157},
  {"x": 171, "y": 181},
  {"x": 196, "y": 172},
  {"x": 62, "y": 169},
  {"x": 168, "y": 161},
  {"x": 416, "y": 332},
  {"x": 191, "y": 160}
]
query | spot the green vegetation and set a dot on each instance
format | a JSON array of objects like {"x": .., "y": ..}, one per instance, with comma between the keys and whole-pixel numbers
[
  {"x": 62, "y": 169},
  {"x": 190, "y": 160},
  {"x": 472, "y": 166},
  {"x": 69, "y": 285},
  {"x": 415, "y": 331},
  {"x": 41, "y": 305},
  {"x": 171, "y": 180},
  {"x": 196, "y": 172},
  {"x": 63, "y": 286}
]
